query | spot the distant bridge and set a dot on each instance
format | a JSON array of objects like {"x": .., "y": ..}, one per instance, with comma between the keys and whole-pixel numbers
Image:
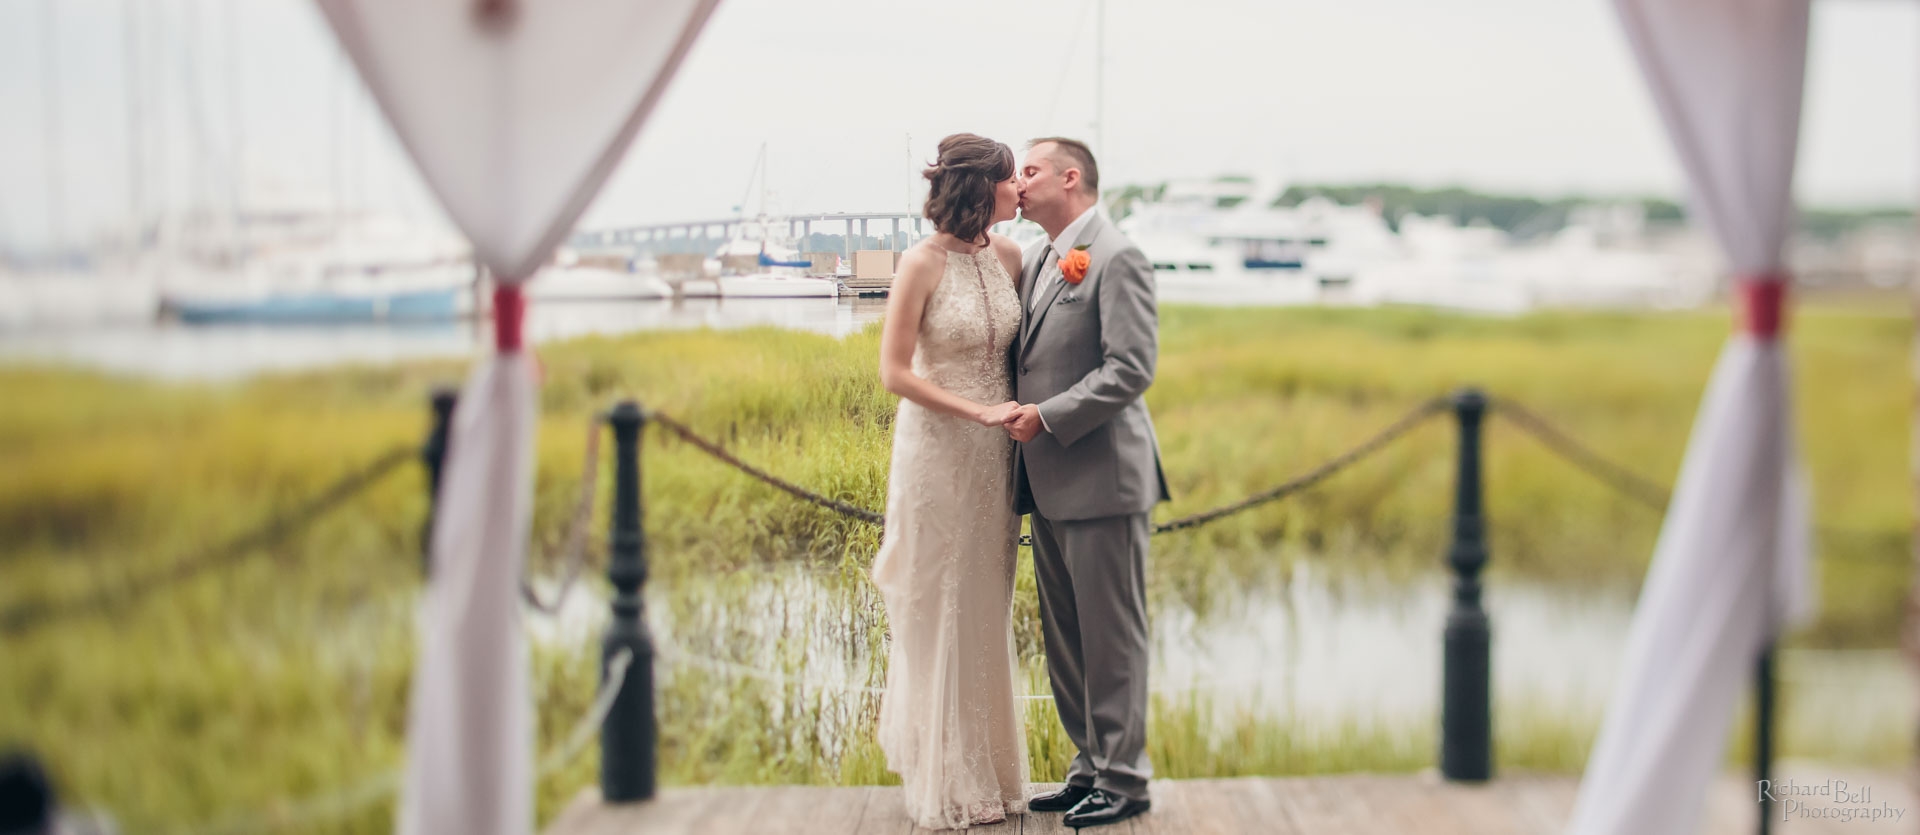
[{"x": 798, "y": 226}]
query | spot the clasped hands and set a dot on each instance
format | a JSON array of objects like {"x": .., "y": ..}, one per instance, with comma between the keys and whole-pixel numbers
[{"x": 1021, "y": 421}]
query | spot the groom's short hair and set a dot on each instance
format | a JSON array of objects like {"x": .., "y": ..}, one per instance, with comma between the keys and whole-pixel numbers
[{"x": 1082, "y": 158}]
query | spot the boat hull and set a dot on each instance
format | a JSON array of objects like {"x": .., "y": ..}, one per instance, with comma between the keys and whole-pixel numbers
[
  {"x": 425, "y": 305},
  {"x": 776, "y": 287}
]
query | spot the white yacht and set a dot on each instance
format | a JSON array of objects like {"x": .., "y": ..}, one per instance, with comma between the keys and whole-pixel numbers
[
  {"x": 1223, "y": 242},
  {"x": 1600, "y": 258},
  {"x": 776, "y": 286},
  {"x": 594, "y": 283}
]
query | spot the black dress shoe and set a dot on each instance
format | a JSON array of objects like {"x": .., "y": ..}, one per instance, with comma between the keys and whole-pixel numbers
[
  {"x": 1103, "y": 807},
  {"x": 1060, "y": 801}
]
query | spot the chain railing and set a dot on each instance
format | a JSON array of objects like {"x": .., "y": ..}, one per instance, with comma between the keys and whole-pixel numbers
[
  {"x": 1622, "y": 480},
  {"x": 1656, "y": 497},
  {"x": 1466, "y": 721},
  {"x": 720, "y": 453},
  {"x": 1318, "y": 474},
  {"x": 280, "y": 528},
  {"x": 1314, "y": 476},
  {"x": 624, "y": 710},
  {"x": 312, "y": 811},
  {"x": 1653, "y": 495},
  {"x": 628, "y": 771},
  {"x": 574, "y": 552},
  {"x": 273, "y": 531}
]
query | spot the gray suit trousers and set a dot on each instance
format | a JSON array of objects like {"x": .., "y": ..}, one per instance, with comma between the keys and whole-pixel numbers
[{"x": 1092, "y": 581}]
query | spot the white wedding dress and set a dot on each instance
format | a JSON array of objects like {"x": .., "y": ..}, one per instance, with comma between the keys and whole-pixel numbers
[{"x": 949, "y": 723}]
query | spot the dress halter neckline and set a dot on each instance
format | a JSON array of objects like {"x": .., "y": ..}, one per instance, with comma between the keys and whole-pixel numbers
[{"x": 983, "y": 248}]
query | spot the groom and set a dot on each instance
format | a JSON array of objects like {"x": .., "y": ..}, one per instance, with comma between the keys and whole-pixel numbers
[{"x": 1088, "y": 470}]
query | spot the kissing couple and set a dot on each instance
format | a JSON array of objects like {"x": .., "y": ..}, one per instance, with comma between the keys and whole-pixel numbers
[{"x": 1021, "y": 378}]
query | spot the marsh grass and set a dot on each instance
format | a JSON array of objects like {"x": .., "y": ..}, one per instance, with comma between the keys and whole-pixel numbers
[{"x": 286, "y": 675}]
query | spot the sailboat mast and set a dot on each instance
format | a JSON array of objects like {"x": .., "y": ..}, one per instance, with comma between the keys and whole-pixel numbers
[
  {"x": 154, "y": 73},
  {"x": 50, "y": 101},
  {"x": 1100, "y": 75},
  {"x": 335, "y": 104},
  {"x": 236, "y": 126},
  {"x": 746, "y": 199},
  {"x": 130, "y": 46}
]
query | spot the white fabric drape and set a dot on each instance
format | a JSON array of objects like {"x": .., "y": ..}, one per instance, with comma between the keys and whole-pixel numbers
[
  {"x": 515, "y": 112},
  {"x": 515, "y": 124},
  {"x": 470, "y": 720},
  {"x": 1730, "y": 568}
]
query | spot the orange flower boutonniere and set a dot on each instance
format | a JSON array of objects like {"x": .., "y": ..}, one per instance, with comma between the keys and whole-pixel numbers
[{"x": 1073, "y": 266}]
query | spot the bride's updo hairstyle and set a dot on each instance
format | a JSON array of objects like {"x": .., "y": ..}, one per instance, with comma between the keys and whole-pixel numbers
[{"x": 960, "y": 202}]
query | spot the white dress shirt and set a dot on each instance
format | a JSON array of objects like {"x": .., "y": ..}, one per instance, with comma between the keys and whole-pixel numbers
[{"x": 1044, "y": 280}]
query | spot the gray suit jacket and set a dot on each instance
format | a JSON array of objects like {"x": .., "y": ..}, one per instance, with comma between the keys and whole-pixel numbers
[{"x": 1086, "y": 354}]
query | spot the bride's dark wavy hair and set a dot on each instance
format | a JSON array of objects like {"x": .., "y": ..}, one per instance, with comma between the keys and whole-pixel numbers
[{"x": 960, "y": 201}]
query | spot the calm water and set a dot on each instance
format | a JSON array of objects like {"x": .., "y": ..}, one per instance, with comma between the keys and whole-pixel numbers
[
  {"x": 1318, "y": 649},
  {"x": 128, "y": 341}
]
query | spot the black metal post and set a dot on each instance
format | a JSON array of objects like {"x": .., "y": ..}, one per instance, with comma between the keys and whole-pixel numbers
[
  {"x": 629, "y": 738},
  {"x": 1466, "y": 713},
  {"x": 1763, "y": 734},
  {"x": 28, "y": 802},
  {"x": 434, "y": 455}
]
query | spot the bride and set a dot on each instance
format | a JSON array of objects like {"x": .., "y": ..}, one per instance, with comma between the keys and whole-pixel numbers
[{"x": 949, "y": 722}]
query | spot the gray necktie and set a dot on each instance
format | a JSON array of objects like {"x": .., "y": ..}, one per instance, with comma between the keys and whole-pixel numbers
[{"x": 1040, "y": 279}]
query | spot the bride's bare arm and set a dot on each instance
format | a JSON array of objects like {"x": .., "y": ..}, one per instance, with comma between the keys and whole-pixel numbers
[{"x": 919, "y": 273}]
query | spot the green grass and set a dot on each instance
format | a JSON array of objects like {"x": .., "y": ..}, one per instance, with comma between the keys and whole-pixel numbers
[{"x": 287, "y": 674}]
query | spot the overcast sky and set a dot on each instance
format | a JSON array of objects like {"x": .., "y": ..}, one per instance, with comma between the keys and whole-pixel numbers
[{"x": 1527, "y": 96}]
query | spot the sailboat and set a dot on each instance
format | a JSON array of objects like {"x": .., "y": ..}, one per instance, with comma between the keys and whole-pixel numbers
[
  {"x": 595, "y": 276},
  {"x": 246, "y": 254},
  {"x": 371, "y": 269},
  {"x": 768, "y": 266},
  {"x": 362, "y": 303}
]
